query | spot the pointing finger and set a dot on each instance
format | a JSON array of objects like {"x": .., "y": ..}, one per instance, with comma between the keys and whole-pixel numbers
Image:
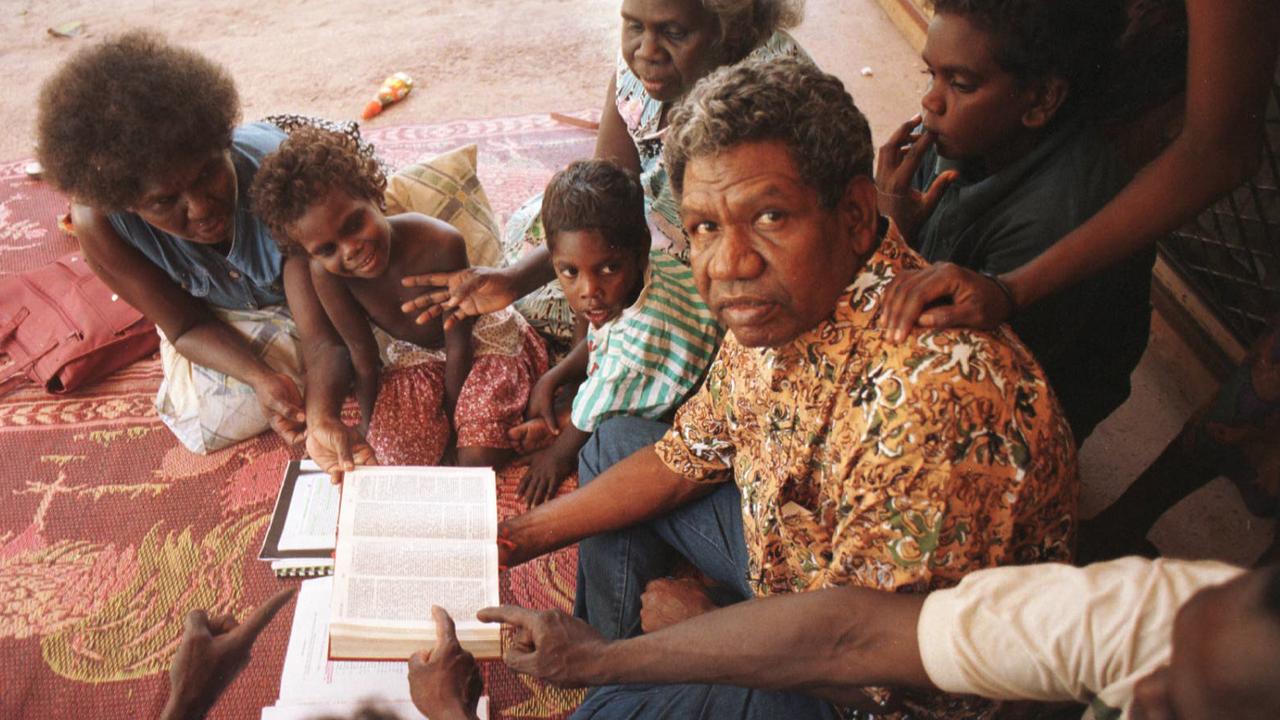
[
  {"x": 263, "y": 614},
  {"x": 196, "y": 622},
  {"x": 506, "y": 614}
]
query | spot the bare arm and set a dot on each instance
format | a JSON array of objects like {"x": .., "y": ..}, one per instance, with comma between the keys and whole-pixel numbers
[
  {"x": 186, "y": 322},
  {"x": 637, "y": 489},
  {"x": 1231, "y": 61},
  {"x": 193, "y": 330},
  {"x": 459, "y": 351},
  {"x": 828, "y": 643},
  {"x": 353, "y": 325},
  {"x": 613, "y": 142},
  {"x": 569, "y": 371},
  {"x": 327, "y": 358},
  {"x": 1230, "y": 64}
]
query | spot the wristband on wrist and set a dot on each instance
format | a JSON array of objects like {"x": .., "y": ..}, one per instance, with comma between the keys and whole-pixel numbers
[{"x": 1004, "y": 290}]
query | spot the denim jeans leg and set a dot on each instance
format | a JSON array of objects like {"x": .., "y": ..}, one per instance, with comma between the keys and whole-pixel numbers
[
  {"x": 699, "y": 702},
  {"x": 614, "y": 567},
  {"x": 708, "y": 533}
]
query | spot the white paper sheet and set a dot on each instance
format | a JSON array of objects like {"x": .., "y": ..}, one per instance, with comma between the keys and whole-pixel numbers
[
  {"x": 309, "y": 675},
  {"x": 312, "y": 520},
  {"x": 405, "y": 710}
]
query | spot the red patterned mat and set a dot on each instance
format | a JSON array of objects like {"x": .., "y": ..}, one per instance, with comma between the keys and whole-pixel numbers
[{"x": 110, "y": 531}]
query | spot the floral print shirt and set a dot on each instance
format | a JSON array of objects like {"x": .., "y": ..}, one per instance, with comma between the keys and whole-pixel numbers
[{"x": 869, "y": 463}]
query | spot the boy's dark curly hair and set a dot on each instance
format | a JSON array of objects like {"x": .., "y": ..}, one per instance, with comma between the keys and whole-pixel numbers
[
  {"x": 597, "y": 195},
  {"x": 127, "y": 110},
  {"x": 1075, "y": 40},
  {"x": 306, "y": 166}
]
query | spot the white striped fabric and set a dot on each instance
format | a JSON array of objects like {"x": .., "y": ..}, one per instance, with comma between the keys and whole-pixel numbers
[{"x": 649, "y": 359}]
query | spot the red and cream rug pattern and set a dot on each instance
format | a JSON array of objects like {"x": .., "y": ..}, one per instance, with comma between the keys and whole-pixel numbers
[{"x": 110, "y": 531}]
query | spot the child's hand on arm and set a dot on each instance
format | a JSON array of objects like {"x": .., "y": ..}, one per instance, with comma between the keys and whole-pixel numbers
[
  {"x": 542, "y": 399},
  {"x": 548, "y": 469},
  {"x": 533, "y": 435}
]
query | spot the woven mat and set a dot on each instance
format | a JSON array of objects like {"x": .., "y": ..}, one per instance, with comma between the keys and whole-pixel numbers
[{"x": 110, "y": 531}]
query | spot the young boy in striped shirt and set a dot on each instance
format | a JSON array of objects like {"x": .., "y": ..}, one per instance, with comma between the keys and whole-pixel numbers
[{"x": 649, "y": 337}]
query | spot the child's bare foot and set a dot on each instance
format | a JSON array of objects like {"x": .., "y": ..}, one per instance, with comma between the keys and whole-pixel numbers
[{"x": 668, "y": 601}]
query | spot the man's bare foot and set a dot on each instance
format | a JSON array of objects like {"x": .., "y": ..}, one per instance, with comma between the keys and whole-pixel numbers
[{"x": 668, "y": 601}]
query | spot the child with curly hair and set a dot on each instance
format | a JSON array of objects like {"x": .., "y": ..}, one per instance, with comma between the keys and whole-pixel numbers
[
  {"x": 157, "y": 190},
  {"x": 320, "y": 196}
]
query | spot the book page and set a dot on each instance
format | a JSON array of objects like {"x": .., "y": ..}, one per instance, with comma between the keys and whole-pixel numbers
[
  {"x": 451, "y": 503},
  {"x": 411, "y": 538}
]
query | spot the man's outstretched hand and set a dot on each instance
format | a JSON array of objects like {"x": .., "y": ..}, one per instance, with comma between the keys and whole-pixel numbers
[
  {"x": 445, "y": 682},
  {"x": 549, "y": 644},
  {"x": 210, "y": 655}
]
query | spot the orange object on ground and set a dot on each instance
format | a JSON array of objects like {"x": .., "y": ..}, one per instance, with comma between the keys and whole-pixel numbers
[{"x": 393, "y": 90}]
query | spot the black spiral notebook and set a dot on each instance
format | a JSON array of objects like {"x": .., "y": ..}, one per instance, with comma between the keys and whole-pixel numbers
[{"x": 303, "y": 530}]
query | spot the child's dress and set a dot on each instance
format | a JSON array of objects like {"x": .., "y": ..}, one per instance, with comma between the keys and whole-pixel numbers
[{"x": 409, "y": 424}]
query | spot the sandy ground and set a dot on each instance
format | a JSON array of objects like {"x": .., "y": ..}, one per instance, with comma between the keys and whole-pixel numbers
[
  {"x": 485, "y": 58},
  {"x": 470, "y": 59}
]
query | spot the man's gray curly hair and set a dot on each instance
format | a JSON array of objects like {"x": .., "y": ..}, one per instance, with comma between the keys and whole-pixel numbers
[
  {"x": 783, "y": 99},
  {"x": 745, "y": 24}
]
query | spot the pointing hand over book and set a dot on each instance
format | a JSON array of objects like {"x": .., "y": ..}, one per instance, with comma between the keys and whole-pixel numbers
[
  {"x": 445, "y": 682},
  {"x": 549, "y": 644},
  {"x": 212, "y": 651}
]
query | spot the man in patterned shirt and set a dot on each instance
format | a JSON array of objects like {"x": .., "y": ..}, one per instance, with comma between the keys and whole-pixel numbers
[{"x": 855, "y": 461}]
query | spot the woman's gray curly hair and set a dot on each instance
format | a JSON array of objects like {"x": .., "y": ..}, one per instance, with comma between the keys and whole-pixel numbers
[
  {"x": 783, "y": 99},
  {"x": 746, "y": 24}
]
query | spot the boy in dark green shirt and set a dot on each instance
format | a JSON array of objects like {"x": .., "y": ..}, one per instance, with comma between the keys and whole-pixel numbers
[{"x": 1008, "y": 165}]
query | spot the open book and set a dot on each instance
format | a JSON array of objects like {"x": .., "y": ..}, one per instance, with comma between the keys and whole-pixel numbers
[
  {"x": 410, "y": 538},
  {"x": 313, "y": 686}
]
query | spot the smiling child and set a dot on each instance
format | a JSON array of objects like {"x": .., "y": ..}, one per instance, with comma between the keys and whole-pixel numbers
[
  {"x": 321, "y": 197},
  {"x": 650, "y": 337}
]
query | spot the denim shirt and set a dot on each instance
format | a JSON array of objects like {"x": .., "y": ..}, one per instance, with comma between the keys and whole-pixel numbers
[{"x": 248, "y": 276}]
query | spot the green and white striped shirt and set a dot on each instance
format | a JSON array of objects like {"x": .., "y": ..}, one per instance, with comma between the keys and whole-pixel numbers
[{"x": 649, "y": 359}]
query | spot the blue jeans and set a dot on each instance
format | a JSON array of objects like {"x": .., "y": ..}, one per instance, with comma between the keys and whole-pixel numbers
[
  {"x": 700, "y": 702},
  {"x": 613, "y": 569}
]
